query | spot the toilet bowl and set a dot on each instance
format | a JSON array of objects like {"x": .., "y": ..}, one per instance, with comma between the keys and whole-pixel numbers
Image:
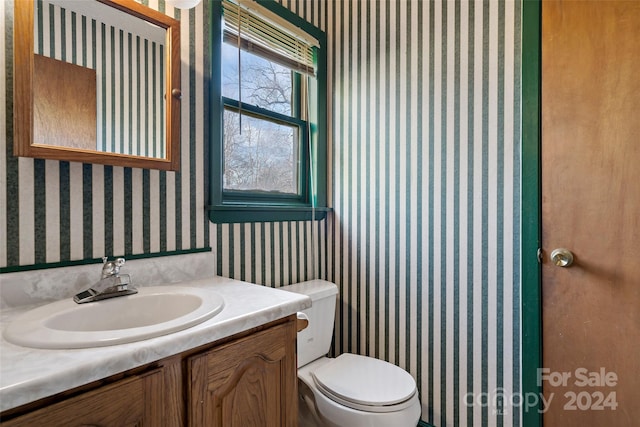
[{"x": 349, "y": 390}]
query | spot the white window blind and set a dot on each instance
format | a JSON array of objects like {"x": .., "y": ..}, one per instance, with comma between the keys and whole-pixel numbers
[{"x": 257, "y": 30}]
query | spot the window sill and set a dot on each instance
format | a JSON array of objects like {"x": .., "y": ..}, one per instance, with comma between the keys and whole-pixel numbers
[{"x": 234, "y": 213}]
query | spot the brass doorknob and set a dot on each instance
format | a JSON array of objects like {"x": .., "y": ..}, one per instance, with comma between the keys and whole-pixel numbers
[{"x": 562, "y": 257}]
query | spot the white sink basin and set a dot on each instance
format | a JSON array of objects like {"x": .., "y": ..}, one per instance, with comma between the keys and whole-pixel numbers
[{"x": 153, "y": 311}]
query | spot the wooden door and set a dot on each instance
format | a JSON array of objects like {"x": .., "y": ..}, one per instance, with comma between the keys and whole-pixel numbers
[
  {"x": 591, "y": 205},
  {"x": 248, "y": 382}
]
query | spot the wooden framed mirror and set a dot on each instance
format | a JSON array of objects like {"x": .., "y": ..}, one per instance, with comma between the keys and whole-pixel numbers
[{"x": 97, "y": 81}]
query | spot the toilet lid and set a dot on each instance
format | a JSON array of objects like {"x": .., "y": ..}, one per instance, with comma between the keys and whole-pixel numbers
[{"x": 364, "y": 381}]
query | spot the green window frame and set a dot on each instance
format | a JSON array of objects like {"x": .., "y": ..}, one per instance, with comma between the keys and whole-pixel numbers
[{"x": 227, "y": 206}]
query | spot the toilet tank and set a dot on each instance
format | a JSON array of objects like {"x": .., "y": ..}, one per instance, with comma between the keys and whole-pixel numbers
[{"x": 315, "y": 340}]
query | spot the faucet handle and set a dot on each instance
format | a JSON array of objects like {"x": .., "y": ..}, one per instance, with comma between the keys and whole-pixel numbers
[{"x": 111, "y": 268}]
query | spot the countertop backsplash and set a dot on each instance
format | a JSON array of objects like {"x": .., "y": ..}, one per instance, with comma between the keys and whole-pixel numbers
[{"x": 38, "y": 286}]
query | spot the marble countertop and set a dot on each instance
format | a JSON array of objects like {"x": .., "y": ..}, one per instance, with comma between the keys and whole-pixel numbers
[{"x": 28, "y": 374}]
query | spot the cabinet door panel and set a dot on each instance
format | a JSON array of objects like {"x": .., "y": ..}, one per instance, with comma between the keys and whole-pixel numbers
[
  {"x": 131, "y": 402},
  {"x": 251, "y": 381}
]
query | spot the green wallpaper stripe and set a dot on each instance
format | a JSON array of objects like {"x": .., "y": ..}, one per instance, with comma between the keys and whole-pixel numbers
[
  {"x": 410, "y": 172},
  {"x": 122, "y": 77},
  {"x": 273, "y": 253},
  {"x": 52, "y": 45},
  {"x": 499, "y": 315},
  {"x": 146, "y": 211},
  {"x": 178, "y": 210},
  {"x": 39, "y": 37},
  {"x": 39, "y": 202},
  {"x": 395, "y": 106},
  {"x": 192, "y": 124},
  {"x": 128, "y": 211},
  {"x": 263, "y": 246},
  {"x": 243, "y": 274},
  {"x": 137, "y": 99},
  {"x": 87, "y": 212},
  {"x": 254, "y": 246},
  {"x": 63, "y": 35},
  {"x": 219, "y": 249},
  {"x": 359, "y": 154},
  {"x": 375, "y": 93},
  {"x": 282, "y": 250},
  {"x": 484, "y": 324},
  {"x": 430, "y": 394},
  {"x": 365, "y": 31},
  {"x": 125, "y": 126},
  {"x": 387, "y": 226},
  {"x": 145, "y": 95},
  {"x": 163, "y": 211},
  {"x": 101, "y": 60},
  {"x": 205, "y": 161},
  {"x": 456, "y": 218},
  {"x": 108, "y": 210},
  {"x": 443, "y": 213},
  {"x": 289, "y": 261},
  {"x": 65, "y": 212},
  {"x": 154, "y": 101},
  {"x": 74, "y": 37},
  {"x": 420, "y": 241},
  {"x": 83, "y": 31},
  {"x": 517, "y": 173},
  {"x": 470, "y": 200},
  {"x": 12, "y": 228}
]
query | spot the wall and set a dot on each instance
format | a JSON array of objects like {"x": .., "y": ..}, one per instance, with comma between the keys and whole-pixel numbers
[{"x": 425, "y": 239}]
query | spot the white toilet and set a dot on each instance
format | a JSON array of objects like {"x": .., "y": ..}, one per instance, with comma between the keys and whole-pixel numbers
[{"x": 350, "y": 390}]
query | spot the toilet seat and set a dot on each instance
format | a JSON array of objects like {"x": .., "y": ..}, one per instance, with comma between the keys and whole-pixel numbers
[{"x": 365, "y": 383}]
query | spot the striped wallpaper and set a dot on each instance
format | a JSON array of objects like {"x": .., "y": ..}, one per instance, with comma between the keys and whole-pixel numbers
[
  {"x": 425, "y": 169},
  {"x": 272, "y": 254},
  {"x": 424, "y": 241},
  {"x": 128, "y": 68}
]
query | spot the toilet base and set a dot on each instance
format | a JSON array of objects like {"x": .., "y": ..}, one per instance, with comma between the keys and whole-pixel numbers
[{"x": 307, "y": 415}]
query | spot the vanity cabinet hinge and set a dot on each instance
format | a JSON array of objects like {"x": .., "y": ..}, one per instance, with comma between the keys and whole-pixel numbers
[{"x": 539, "y": 255}]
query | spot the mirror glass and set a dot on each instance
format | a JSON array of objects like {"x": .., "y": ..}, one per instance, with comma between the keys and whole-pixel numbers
[
  {"x": 122, "y": 56},
  {"x": 104, "y": 79}
]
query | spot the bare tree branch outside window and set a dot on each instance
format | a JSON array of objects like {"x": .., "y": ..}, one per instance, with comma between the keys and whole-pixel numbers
[{"x": 263, "y": 156}]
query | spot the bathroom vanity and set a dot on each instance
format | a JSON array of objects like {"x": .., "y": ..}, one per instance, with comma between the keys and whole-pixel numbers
[{"x": 236, "y": 369}]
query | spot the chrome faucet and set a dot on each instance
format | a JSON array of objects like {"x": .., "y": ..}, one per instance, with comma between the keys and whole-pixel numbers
[{"x": 111, "y": 284}]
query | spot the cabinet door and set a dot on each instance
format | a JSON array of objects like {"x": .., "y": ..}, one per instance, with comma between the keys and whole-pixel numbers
[
  {"x": 134, "y": 401},
  {"x": 248, "y": 382}
]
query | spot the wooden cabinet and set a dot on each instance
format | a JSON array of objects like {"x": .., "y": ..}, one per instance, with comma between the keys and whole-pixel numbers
[
  {"x": 248, "y": 382},
  {"x": 249, "y": 379},
  {"x": 134, "y": 401}
]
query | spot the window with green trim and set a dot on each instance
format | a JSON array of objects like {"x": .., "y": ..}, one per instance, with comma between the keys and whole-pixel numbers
[{"x": 268, "y": 114}]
